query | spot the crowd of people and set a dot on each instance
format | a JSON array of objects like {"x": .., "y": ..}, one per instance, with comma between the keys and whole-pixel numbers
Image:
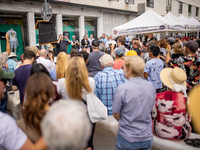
[{"x": 143, "y": 84}]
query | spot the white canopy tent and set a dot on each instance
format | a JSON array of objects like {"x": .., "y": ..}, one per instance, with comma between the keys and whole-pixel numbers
[
  {"x": 148, "y": 22},
  {"x": 194, "y": 27},
  {"x": 186, "y": 25},
  {"x": 195, "y": 21}
]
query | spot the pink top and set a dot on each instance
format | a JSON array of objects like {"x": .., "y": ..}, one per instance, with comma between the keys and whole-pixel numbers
[{"x": 118, "y": 64}]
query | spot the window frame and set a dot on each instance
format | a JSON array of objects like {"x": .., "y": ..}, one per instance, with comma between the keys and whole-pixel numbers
[
  {"x": 180, "y": 9},
  {"x": 197, "y": 11},
  {"x": 150, "y": 3}
]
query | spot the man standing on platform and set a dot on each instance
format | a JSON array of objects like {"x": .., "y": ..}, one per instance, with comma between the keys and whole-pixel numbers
[{"x": 61, "y": 44}]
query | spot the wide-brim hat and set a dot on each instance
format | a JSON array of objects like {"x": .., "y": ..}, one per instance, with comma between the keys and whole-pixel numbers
[
  {"x": 6, "y": 75},
  {"x": 12, "y": 55},
  {"x": 172, "y": 76}
]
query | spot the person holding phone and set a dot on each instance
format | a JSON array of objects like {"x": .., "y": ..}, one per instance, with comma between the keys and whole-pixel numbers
[
  {"x": 62, "y": 44},
  {"x": 43, "y": 59},
  {"x": 4, "y": 55}
]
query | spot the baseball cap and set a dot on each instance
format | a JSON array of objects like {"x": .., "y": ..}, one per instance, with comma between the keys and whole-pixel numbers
[
  {"x": 171, "y": 39},
  {"x": 119, "y": 51},
  {"x": 192, "y": 45},
  {"x": 185, "y": 38},
  {"x": 6, "y": 75},
  {"x": 106, "y": 59},
  {"x": 179, "y": 36},
  {"x": 131, "y": 53},
  {"x": 95, "y": 43},
  {"x": 192, "y": 35}
]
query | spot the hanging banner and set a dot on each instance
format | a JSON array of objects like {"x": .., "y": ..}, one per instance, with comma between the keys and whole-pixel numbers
[{"x": 139, "y": 30}]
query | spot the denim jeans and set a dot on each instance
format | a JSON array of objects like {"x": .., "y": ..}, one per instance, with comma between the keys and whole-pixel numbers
[{"x": 123, "y": 144}]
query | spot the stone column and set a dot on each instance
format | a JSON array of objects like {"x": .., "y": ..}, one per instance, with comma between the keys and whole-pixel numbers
[
  {"x": 59, "y": 27},
  {"x": 31, "y": 28},
  {"x": 99, "y": 27},
  {"x": 81, "y": 28}
]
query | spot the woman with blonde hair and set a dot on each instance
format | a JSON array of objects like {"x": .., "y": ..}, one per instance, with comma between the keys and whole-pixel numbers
[
  {"x": 39, "y": 91},
  {"x": 178, "y": 51},
  {"x": 58, "y": 71},
  {"x": 77, "y": 84}
]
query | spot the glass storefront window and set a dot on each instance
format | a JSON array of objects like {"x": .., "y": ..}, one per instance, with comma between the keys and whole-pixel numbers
[
  {"x": 91, "y": 27},
  {"x": 70, "y": 28}
]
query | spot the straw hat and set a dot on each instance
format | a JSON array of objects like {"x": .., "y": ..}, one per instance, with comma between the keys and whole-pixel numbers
[
  {"x": 12, "y": 55},
  {"x": 173, "y": 76}
]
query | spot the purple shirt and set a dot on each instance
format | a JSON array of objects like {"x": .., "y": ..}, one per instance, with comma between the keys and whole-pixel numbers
[
  {"x": 11, "y": 136},
  {"x": 21, "y": 77},
  {"x": 134, "y": 100}
]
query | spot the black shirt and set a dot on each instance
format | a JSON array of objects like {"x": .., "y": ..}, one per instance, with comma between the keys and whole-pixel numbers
[
  {"x": 61, "y": 47},
  {"x": 138, "y": 51}
]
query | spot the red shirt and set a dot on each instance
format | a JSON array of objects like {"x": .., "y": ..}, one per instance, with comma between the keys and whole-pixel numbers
[{"x": 118, "y": 64}]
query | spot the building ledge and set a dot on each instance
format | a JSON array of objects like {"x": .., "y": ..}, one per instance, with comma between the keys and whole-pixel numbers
[{"x": 87, "y": 6}]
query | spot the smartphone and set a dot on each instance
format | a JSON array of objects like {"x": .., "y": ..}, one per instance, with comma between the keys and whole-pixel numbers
[{"x": 3, "y": 35}]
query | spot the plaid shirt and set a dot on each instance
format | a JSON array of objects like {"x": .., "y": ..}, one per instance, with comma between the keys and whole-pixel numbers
[{"x": 106, "y": 83}]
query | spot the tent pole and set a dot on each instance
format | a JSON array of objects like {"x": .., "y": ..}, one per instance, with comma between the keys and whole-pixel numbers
[
  {"x": 166, "y": 32},
  {"x": 198, "y": 33},
  {"x": 186, "y": 33}
]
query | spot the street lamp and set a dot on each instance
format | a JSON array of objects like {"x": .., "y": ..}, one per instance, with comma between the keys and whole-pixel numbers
[{"x": 46, "y": 11}]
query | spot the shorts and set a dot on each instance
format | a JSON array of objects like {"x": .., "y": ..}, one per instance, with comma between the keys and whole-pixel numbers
[{"x": 13, "y": 44}]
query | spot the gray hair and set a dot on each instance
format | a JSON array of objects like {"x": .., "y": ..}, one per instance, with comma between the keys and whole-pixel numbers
[
  {"x": 102, "y": 47},
  {"x": 150, "y": 44},
  {"x": 66, "y": 126},
  {"x": 136, "y": 64}
]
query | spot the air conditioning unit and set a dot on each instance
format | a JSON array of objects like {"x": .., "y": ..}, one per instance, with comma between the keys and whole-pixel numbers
[
  {"x": 168, "y": 8},
  {"x": 127, "y": 1},
  {"x": 189, "y": 14}
]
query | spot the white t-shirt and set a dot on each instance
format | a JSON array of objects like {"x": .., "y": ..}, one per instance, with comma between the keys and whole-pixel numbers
[
  {"x": 11, "y": 136},
  {"x": 47, "y": 63},
  {"x": 12, "y": 35},
  {"x": 61, "y": 88},
  {"x": 107, "y": 43}
]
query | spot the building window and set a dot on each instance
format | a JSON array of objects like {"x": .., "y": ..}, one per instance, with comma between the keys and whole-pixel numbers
[
  {"x": 189, "y": 9},
  {"x": 150, "y": 3},
  {"x": 129, "y": 1},
  {"x": 180, "y": 7},
  {"x": 197, "y": 11},
  {"x": 169, "y": 5}
]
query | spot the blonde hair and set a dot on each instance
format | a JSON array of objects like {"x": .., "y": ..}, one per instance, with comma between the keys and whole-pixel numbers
[
  {"x": 61, "y": 65},
  {"x": 34, "y": 49},
  {"x": 177, "y": 48},
  {"x": 76, "y": 78}
]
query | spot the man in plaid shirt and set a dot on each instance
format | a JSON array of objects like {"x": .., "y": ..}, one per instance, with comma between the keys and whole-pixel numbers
[{"x": 107, "y": 81}]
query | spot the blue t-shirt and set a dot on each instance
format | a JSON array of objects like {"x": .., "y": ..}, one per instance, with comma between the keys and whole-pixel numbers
[
  {"x": 11, "y": 65},
  {"x": 52, "y": 73},
  {"x": 104, "y": 40},
  {"x": 21, "y": 77},
  {"x": 153, "y": 67}
]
